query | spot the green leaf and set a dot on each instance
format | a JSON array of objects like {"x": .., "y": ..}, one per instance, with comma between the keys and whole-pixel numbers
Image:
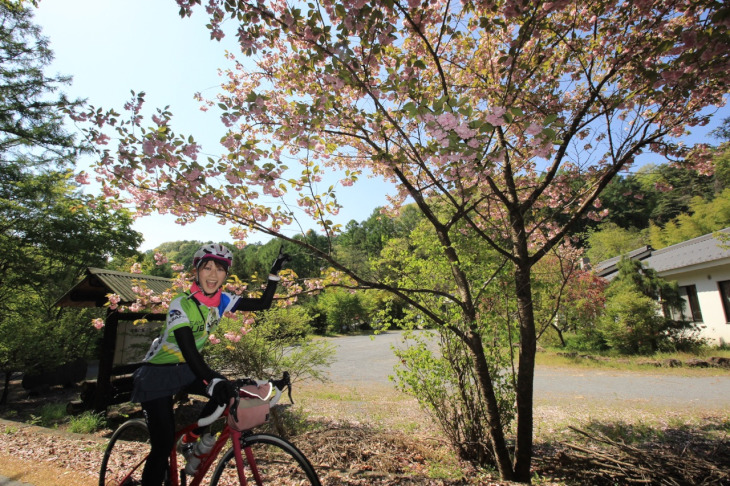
[
  {"x": 550, "y": 119},
  {"x": 410, "y": 108},
  {"x": 549, "y": 133}
]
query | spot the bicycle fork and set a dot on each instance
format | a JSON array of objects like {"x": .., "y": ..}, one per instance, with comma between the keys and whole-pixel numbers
[{"x": 240, "y": 467}]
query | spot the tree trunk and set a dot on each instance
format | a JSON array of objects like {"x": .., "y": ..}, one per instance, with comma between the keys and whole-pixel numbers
[
  {"x": 496, "y": 433},
  {"x": 525, "y": 374},
  {"x": 6, "y": 388}
]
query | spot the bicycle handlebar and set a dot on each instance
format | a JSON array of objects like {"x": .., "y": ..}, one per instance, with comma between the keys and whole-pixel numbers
[
  {"x": 205, "y": 421},
  {"x": 279, "y": 385}
]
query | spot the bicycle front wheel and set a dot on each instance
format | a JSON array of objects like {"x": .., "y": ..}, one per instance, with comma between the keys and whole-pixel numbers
[
  {"x": 125, "y": 455},
  {"x": 268, "y": 460}
]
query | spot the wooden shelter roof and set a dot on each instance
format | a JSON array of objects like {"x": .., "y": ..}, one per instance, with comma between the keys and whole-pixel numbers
[{"x": 92, "y": 290}]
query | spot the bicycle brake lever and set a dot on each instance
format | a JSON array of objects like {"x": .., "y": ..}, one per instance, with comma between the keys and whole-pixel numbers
[
  {"x": 233, "y": 412},
  {"x": 287, "y": 380}
]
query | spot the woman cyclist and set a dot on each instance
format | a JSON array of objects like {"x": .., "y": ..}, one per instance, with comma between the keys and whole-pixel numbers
[{"x": 174, "y": 363}]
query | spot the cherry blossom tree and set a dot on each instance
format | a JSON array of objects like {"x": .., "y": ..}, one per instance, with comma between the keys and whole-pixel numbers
[{"x": 504, "y": 119}]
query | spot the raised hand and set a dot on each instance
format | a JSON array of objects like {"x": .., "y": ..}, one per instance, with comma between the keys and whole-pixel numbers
[{"x": 281, "y": 259}]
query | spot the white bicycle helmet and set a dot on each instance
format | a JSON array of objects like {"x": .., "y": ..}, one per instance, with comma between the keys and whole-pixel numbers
[{"x": 213, "y": 251}]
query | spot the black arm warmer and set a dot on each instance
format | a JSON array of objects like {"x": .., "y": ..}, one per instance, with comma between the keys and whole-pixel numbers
[
  {"x": 260, "y": 303},
  {"x": 186, "y": 341}
]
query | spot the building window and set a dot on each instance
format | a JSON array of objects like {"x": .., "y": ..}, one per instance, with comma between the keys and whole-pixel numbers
[
  {"x": 725, "y": 296},
  {"x": 691, "y": 310}
]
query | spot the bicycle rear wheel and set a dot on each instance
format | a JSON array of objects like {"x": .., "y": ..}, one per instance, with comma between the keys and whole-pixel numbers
[
  {"x": 277, "y": 461},
  {"x": 125, "y": 455}
]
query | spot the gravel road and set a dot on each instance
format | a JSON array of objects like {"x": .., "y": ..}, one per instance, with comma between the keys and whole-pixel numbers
[{"x": 370, "y": 360}]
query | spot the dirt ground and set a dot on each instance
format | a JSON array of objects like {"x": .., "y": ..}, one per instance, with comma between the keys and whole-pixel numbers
[{"x": 381, "y": 437}]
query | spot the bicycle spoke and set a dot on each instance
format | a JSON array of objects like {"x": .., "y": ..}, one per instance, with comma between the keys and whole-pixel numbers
[
  {"x": 277, "y": 463},
  {"x": 125, "y": 455}
]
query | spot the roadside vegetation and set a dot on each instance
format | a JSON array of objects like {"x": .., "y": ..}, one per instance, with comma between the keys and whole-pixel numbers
[{"x": 695, "y": 364}]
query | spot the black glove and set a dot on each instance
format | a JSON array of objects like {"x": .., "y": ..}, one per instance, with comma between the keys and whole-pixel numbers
[
  {"x": 221, "y": 391},
  {"x": 281, "y": 259}
]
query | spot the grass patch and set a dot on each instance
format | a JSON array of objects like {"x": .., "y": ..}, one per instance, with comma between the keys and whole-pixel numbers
[
  {"x": 10, "y": 414},
  {"x": 378, "y": 404},
  {"x": 628, "y": 433},
  {"x": 337, "y": 394},
  {"x": 96, "y": 448},
  {"x": 444, "y": 470},
  {"x": 87, "y": 423},
  {"x": 51, "y": 415},
  {"x": 656, "y": 363}
]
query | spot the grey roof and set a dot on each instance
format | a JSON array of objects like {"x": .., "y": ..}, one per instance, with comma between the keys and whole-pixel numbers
[
  {"x": 607, "y": 267},
  {"x": 704, "y": 249},
  {"x": 91, "y": 291}
]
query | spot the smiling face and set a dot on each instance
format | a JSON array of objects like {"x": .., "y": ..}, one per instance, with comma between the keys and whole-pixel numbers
[{"x": 211, "y": 275}]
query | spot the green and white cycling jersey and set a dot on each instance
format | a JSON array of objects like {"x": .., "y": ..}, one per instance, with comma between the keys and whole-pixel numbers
[{"x": 186, "y": 311}]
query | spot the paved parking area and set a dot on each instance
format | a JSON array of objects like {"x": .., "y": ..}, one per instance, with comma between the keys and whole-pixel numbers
[{"x": 370, "y": 359}]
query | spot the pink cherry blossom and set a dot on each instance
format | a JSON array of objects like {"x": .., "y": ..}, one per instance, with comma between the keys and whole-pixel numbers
[
  {"x": 160, "y": 259},
  {"x": 533, "y": 129},
  {"x": 495, "y": 118},
  {"x": 114, "y": 300},
  {"x": 233, "y": 337},
  {"x": 82, "y": 178}
]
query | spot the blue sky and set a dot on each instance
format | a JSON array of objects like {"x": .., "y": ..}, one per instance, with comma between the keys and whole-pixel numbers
[{"x": 113, "y": 46}]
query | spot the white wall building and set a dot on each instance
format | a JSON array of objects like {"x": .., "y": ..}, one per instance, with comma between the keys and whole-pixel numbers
[{"x": 701, "y": 268}]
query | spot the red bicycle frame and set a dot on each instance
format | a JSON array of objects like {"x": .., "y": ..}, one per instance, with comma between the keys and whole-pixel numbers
[{"x": 209, "y": 459}]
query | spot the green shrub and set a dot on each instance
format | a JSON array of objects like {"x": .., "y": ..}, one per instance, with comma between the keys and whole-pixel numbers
[
  {"x": 87, "y": 423},
  {"x": 631, "y": 324},
  {"x": 279, "y": 341},
  {"x": 587, "y": 340},
  {"x": 633, "y": 320},
  {"x": 444, "y": 384},
  {"x": 340, "y": 311},
  {"x": 344, "y": 310}
]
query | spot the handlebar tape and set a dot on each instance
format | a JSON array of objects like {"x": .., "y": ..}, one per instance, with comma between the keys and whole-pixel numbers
[{"x": 205, "y": 421}]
